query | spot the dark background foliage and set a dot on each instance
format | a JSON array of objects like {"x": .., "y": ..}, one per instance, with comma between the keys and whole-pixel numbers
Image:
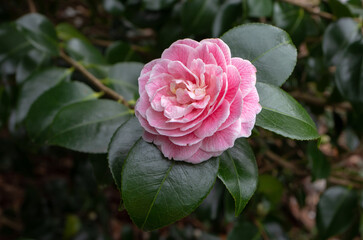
[{"x": 304, "y": 192}]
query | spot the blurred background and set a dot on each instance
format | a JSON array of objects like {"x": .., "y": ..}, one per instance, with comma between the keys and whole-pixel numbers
[{"x": 304, "y": 192}]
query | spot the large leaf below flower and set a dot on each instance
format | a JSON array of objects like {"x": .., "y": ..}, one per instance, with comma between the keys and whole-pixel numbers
[
  {"x": 238, "y": 171},
  {"x": 157, "y": 191},
  {"x": 269, "y": 48},
  {"x": 122, "y": 141},
  {"x": 87, "y": 126},
  {"x": 283, "y": 115}
]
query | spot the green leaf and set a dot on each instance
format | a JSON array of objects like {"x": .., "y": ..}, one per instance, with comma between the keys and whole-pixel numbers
[
  {"x": 283, "y": 115},
  {"x": 244, "y": 230},
  {"x": 101, "y": 170},
  {"x": 320, "y": 166},
  {"x": 269, "y": 48},
  {"x": 157, "y": 191},
  {"x": 259, "y": 8},
  {"x": 84, "y": 51},
  {"x": 40, "y": 32},
  {"x": 337, "y": 38},
  {"x": 87, "y": 126},
  {"x": 156, "y": 5},
  {"x": 339, "y": 9},
  {"x": 66, "y": 32},
  {"x": 32, "y": 61},
  {"x": 336, "y": 211},
  {"x": 115, "y": 7},
  {"x": 43, "y": 110},
  {"x": 349, "y": 74},
  {"x": 122, "y": 141},
  {"x": 35, "y": 85},
  {"x": 120, "y": 52},
  {"x": 198, "y": 15},
  {"x": 226, "y": 16},
  {"x": 238, "y": 171},
  {"x": 271, "y": 187},
  {"x": 12, "y": 48},
  {"x": 123, "y": 78}
]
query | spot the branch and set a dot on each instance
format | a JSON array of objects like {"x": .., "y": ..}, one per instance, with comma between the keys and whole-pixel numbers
[
  {"x": 311, "y": 9},
  {"x": 32, "y": 7},
  {"x": 96, "y": 82}
]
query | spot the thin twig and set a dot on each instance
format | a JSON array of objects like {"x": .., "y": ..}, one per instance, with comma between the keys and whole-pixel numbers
[
  {"x": 282, "y": 162},
  {"x": 96, "y": 82},
  {"x": 311, "y": 9},
  {"x": 32, "y": 7}
]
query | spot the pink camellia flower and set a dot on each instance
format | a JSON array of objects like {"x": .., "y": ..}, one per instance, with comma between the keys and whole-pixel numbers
[{"x": 196, "y": 100}]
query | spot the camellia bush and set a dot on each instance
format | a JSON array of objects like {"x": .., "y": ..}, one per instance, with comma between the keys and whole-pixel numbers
[{"x": 176, "y": 112}]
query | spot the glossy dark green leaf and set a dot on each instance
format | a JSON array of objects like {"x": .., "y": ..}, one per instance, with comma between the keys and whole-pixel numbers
[
  {"x": 259, "y": 8},
  {"x": 238, "y": 172},
  {"x": 244, "y": 230},
  {"x": 156, "y": 5},
  {"x": 123, "y": 78},
  {"x": 115, "y": 7},
  {"x": 101, "y": 171},
  {"x": 43, "y": 110},
  {"x": 283, "y": 115},
  {"x": 157, "y": 191},
  {"x": 66, "y": 32},
  {"x": 12, "y": 48},
  {"x": 120, "y": 52},
  {"x": 198, "y": 15},
  {"x": 84, "y": 51},
  {"x": 40, "y": 32},
  {"x": 269, "y": 48},
  {"x": 35, "y": 85},
  {"x": 336, "y": 211},
  {"x": 87, "y": 126},
  {"x": 339, "y": 9},
  {"x": 32, "y": 61},
  {"x": 349, "y": 74},
  {"x": 226, "y": 16},
  {"x": 271, "y": 188},
  {"x": 320, "y": 166},
  {"x": 121, "y": 143},
  {"x": 337, "y": 37}
]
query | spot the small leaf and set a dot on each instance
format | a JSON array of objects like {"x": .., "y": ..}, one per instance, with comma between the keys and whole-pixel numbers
[
  {"x": 320, "y": 166},
  {"x": 283, "y": 115},
  {"x": 271, "y": 187},
  {"x": 198, "y": 15},
  {"x": 12, "y": 48},
  {"x": 87, "y": 126},
  {"x": 123, "y": 78},
  {"x": 35, "y": 85},
  {"x": 244, "y": 230},
  {"x": 66, "y": 32},
  {"x": 337, "y": 37},
  {"x": 349, "y": 74},
  {"x": 43, "y": 110},
  {"x": 227, "y": 14},
  {"x": 121, "y": 143},
  {"x": 336, "y": 211},
  {"x": 120, "y": 52},
  {"x": 101, "y": 170},
  {"x": 238, "y": 171},
  {"x": 259, "y": 8},
  {"x": 157, "y": 191},
  {"x": 339, "y": 9},
  {"x": 29, "y": 63},
  {"x": 269, "y": 48},
  {"x": 84, "y": 51},
  {"x": 40, "y": 32}
]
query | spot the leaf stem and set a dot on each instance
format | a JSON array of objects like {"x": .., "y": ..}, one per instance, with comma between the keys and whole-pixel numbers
[
  {"x": 95, "y": 81},
  {"x": 310, "y": 9}
]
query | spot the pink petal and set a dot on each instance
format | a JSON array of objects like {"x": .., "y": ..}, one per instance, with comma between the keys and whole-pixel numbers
[
  {"x": 179, "y": 71},
  {"x": 235, "y": 111},
  {"x": 142, "y": 104},
  {"x": 202, "y": 53},
  {"x": 177, "y": 132},
  {"x": 222, "y": 140},
  {"x": 223, "y": 46},
  {"x": 214, "y": 121},
  {"x": 246, "y": 128},
  {"x": 186, "y": 140},
  {"x": 176, "y": 152},
  {"x": 157, "y": 82},
  {"x": 251, "y": 107},
  {"x": 159, "y": 121},
  {"x": 234, "y": 81},
  {"x": 189, "y": 42},
  {"x": 178, "y": 52},
  {"x": 217, "y": 53},
  {"x": 145, "y": 124},
  {"x": 248, "y": 74},
  {"x": 201, "y": 156}
]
